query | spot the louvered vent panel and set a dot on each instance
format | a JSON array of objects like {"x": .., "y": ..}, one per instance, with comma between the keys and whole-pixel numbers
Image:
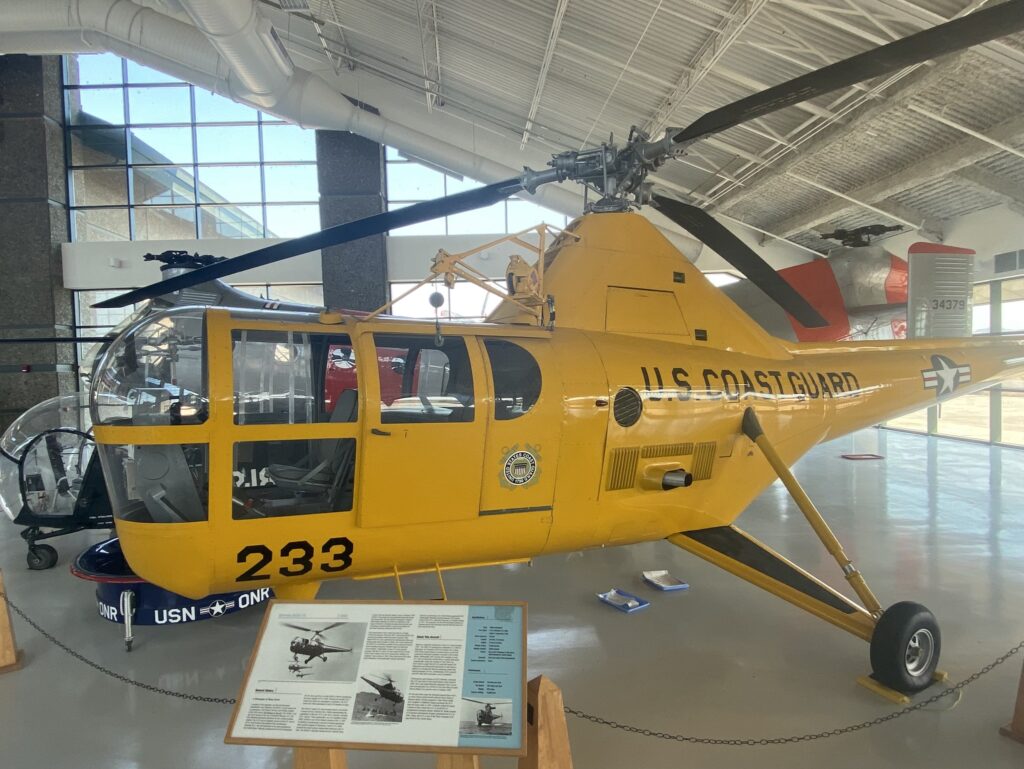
[
  {"x": 667, "y": 450},
  {"x": 704, "y": 460},
  {"x": 622, "y": 468}
]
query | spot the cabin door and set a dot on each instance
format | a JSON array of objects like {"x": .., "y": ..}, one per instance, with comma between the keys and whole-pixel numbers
[
  {"x": 423, "y": 433},
  {"x": 524, "y": 425}
]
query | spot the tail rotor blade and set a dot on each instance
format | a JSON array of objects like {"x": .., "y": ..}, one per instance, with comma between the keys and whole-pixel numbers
[
  {"x": 710, "y": 231},
  {"x": 956, "y": 35},
  {"x": 332, "y": 236}
]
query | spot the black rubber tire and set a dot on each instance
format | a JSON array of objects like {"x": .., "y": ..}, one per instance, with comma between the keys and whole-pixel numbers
[
  {"x": 41, "y": 557},
  {"x": 890, "y": 647}
]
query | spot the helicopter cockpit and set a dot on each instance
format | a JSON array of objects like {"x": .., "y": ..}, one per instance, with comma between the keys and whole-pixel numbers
[
  {"x": 155, "y": 376},
  {"x": 208, "y": 417},
  {"x": 43, "y": 458},
  {"x": 151, "y": 376}
]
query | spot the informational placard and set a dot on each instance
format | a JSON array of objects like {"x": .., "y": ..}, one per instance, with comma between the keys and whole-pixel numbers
[{"x": 401, "y": 675}]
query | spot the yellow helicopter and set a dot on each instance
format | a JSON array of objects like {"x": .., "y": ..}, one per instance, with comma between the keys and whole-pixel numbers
[{"x": 615, "y": 396}]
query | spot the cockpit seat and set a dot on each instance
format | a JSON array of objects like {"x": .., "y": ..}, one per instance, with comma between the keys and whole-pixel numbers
[
  {"x": 288, "y": 476},
  {"x": 325, "y": 471}
]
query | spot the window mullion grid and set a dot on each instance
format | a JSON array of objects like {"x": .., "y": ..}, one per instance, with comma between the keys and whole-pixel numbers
[
  {"x": 263, "y": 172},
  {"x": 195, "y": 161},
  {"x": 128, "y": 157}
]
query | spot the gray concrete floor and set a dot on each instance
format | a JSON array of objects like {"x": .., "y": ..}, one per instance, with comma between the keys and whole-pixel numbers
[{"x": 938, "y": 521}]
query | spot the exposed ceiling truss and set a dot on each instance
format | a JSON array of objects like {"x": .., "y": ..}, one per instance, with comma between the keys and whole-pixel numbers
[
  {"x": 561, "y": 74},
  {"x": 545, "y": 65},
  {"x": 740, "y": 17},
  {"x": 947, "y": 162},
  {"x": 430, "y": 47},
  {"x": 992, "y": 184},
  {"x": 860, "y": 94}
]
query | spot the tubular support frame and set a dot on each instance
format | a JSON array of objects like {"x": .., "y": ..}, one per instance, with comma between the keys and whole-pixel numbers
[
  {"x": 440, "y": 581},
  {"x": 753, "y": 430},
  {"x": 738, "y": 553}
]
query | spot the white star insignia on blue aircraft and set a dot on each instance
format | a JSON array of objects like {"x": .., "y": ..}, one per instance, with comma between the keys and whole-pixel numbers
[{"x": 217, "y": 608}]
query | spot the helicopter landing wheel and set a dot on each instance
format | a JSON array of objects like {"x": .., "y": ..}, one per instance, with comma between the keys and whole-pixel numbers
[
  {"x": 905, "y": 647},
  {"x": 41, "y": 557}
]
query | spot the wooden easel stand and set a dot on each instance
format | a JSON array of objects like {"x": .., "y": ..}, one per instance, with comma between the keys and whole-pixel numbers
[
  {"x": 547, "y": 738},
  {"x": 1015, "y": 729},
  {"x": 10, "y": 658}
]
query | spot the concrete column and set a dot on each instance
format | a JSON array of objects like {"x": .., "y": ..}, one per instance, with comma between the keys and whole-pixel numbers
[
  {"x": 33, "y": 224},
  {"x": 351, "y": 175}
]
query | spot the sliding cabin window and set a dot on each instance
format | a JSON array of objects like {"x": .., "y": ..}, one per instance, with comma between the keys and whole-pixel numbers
[
  {"x": 423, "y": 382},
  {"x": 516, "y": 378},
  {"x": 293, "y": 377}
]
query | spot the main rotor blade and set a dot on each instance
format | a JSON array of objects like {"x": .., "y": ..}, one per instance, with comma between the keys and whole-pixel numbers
[
  {"x": 298, "y": 627},
  {"x": 332, "y": 236},
  {"x": 973, "y": 29},
  {"x": 331, "y": 627},
  {"x": 710, "y": 231}
]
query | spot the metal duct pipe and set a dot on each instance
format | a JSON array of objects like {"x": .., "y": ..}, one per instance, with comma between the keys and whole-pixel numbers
[
  {"x": 250, "y": 46},
  {"x": 119, "y": 26},
  {"x": 182, "y": 51}
]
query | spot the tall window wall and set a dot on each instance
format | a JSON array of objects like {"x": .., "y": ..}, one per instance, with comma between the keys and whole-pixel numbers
[
  {"x": 408, "y": 182},
  {"x": 994, "y": 414},
  {"x": 154, "y": 158},
  {"x": 1006, "y": 316}
]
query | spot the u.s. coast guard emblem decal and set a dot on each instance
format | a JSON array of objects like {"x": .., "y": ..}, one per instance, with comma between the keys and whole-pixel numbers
[
  {"x": 945, "y": 375},
  {"x": 519, "y": 466}
]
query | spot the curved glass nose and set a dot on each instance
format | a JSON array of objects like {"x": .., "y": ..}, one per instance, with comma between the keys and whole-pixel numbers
[{"x": 153, "y": 373}]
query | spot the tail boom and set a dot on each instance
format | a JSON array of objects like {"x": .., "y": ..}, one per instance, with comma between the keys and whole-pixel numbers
[{"x": 897, "y": 377}]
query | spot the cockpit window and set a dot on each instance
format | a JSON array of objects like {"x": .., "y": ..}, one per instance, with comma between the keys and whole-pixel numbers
[
  {"x": 153, "y": 374},
  {"x": 423, "y": 382},
  {"x": 292, "y": 377},
  {"x": 157, "y": 484},
  {"x": 516, "y": 378}
]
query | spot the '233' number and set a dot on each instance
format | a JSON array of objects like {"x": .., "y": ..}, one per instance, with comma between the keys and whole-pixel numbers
[{"x": 301, "y": 553}]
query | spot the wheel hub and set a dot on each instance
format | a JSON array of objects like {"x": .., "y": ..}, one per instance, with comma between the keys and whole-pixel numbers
[{"x": 920, "y": 651}]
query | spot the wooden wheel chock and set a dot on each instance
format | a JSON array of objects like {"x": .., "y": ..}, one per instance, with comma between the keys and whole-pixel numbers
[
  {"x": 1015, "y": 729},
  {"x": 319, "y": 758},
  {"x": 10, "y": 658}
]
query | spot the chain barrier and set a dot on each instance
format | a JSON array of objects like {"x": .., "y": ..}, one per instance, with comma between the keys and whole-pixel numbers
[
  {"x": 107, "y": 671},
  {"x": 949, "y": 690},
  {"x": 955, "y": 689}
]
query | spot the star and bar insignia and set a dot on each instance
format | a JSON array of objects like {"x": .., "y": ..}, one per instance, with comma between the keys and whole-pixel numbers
[
  {"x": 946, "y": 375},
  {"x": 217, "y": 608}
]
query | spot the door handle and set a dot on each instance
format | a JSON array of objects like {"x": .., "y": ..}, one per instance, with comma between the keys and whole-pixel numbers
[{"x": 375, "y": 431}]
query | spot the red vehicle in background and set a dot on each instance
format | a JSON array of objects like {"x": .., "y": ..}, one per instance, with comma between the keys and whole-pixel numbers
[{"x": 341, "y": 373}]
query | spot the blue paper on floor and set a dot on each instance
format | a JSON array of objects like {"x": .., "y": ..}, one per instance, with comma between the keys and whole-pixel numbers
[
  {"x": 662, "y": 580},
  {"x": 623, "y": 601}
]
